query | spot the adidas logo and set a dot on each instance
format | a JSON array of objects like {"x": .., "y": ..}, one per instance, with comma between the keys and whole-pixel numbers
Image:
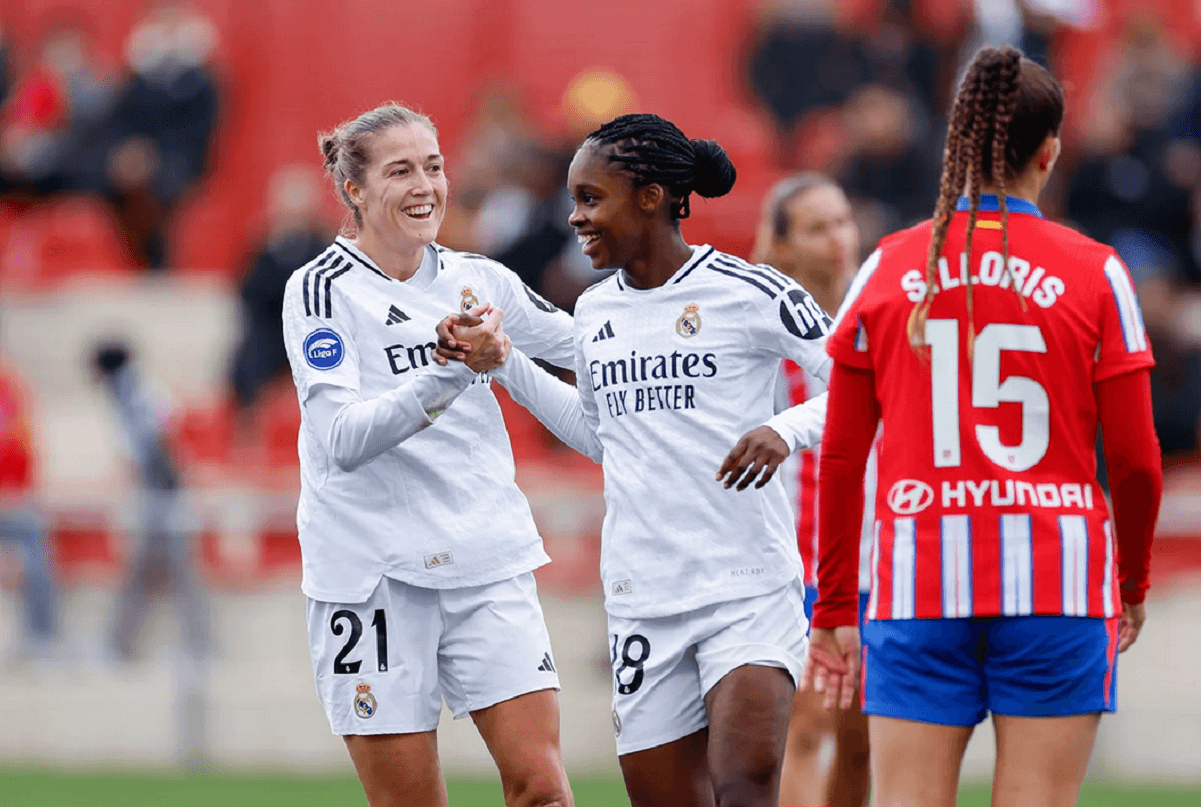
[
  {"x": 395, "y": 315},
  {"x": 547, "y": 665},
  {"x": 604, "y": 333}
]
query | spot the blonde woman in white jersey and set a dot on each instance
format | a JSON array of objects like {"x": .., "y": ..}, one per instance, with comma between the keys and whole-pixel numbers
[
  {"x": 677, "y": 356},
  {"x": 417, "y": 545}
]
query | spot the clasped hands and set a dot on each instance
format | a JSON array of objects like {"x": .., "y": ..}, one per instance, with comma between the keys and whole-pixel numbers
[{"x": 476, "y": 339}]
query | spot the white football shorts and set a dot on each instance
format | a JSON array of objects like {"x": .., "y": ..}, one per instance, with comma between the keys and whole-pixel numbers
[
  {"x": 663, "y": 667},
  {"x": 384, "y": 666}
]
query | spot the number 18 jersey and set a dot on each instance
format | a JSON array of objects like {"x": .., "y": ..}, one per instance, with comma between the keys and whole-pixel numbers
[{"x": 987, "y": 502}]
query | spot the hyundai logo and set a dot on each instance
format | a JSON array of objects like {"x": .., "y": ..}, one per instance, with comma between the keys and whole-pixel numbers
[{"x": 910, "y": 496}]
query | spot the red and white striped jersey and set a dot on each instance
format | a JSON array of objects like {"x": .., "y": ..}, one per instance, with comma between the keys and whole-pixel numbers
[
  {"x": 802, "y": 468},
  {"x": 988, "y": 502}
]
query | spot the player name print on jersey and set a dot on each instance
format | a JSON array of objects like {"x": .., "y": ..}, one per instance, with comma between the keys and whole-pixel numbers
[{"x": 1035, "y": 283}]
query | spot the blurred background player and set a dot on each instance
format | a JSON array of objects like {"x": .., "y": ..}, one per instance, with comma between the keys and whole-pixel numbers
[
  {"x": 162, "y": 553},
  {"x": 411, "y": 531},
  {"x": 21, "y": 523},
  {"x": 296, "y": 233},
  {"x": 808, "y": 232},
  {"x": 998, "y": 586},
  {"x": 164, "y": 542}
]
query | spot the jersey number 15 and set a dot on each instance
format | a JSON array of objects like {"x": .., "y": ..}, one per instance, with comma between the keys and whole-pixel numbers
[{"x": 988, "y": 392}]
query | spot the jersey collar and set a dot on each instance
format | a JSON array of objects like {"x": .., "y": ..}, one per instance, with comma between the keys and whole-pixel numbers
[
  {"x": 699, "y": 255},
  {"x": 989, "y": 203},
  {"x": 356, "y": 255}
]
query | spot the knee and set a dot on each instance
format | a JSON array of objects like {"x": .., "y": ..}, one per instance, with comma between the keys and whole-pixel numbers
[
  {"x": 754, "y": 784},
  {"x": 804, "y": 741},
  {"x": 539, "y": 789}
]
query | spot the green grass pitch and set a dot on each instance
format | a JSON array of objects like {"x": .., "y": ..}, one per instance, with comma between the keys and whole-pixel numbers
[{"x": 45, "y": 788}]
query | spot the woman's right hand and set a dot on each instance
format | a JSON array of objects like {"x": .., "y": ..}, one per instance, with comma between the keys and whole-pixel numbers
[
  {"x": 832, "y": 665},
  {"x": 449, "y": 349},
  {"x": 487, "y": 344}
]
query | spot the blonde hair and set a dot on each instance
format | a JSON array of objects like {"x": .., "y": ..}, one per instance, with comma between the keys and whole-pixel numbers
[{"x": 344, "y": 150}]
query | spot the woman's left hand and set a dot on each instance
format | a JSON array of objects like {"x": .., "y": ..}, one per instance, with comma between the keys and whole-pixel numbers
[{"x": 759, "y": 450}]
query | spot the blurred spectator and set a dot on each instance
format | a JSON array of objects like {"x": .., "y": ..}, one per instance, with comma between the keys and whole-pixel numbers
[
  {"x": 162, "y": 125},
  {"x": 812, "y": 56},
  {"x": 57, "y": 138},
  {"x": 498, "y": 127},
  {"x": 1128, "y": 190},
  {"x": 165, "y": 543},
  {"x": 295, "y": 235},
  {"x": 511, "y": 201},
  {"x": 801, "y": 62},
  {"x": 5, "y": 68},
  {"x": 1176, "y": 376},
  {"x": 35, "y": 118},
  {"x": 20, "y": 523},
  {"x": 523, "y": 223},
  {"x": 890, "y": 168}
]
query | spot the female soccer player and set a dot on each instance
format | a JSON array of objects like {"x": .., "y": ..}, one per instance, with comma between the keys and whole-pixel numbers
[
  {"x": 997, "y": 582},
  {"x": 808, "y": 232},
  {"x": 417, "y": 545},
  {"x": 677, "y": 355}
]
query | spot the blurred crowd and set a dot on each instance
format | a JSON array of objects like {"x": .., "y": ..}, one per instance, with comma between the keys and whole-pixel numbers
[
  {"x": 857, "y": 91},
  {"x": 138, "y": 137}
]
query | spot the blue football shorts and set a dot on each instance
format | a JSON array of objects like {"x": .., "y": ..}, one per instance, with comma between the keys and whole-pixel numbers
[{"x": 954, "y": 671}]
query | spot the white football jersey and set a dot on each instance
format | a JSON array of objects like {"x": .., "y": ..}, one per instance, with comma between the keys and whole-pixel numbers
[
  {"x": 440, "y": 509},
  {"x": 671, "y": 378}
]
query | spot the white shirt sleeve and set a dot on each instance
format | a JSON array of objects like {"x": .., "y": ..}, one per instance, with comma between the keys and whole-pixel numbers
[
  {"x": 553, "y": 402},
  {"x": 793, "y": 326},
  {"x": 355, "y": 431},
  {"x": 535, "y": 325},
  {"x": 801, "y": 426}
]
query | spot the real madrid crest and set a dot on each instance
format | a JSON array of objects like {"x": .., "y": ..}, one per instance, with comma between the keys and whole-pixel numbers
[
  {"x": 364, "y": 701},
  {"x": 689, "y": 323},
  {"x": 469, "y": 300}
]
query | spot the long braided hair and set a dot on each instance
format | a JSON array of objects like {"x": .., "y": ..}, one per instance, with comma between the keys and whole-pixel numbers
[
  {"x": 654, "y": 151},
  {"x": 1005, "y": 107}
]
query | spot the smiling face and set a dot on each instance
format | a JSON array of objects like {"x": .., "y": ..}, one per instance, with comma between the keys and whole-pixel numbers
[
  {"x": 402, "y": 198},
  {"x": 611, "y": 216}
]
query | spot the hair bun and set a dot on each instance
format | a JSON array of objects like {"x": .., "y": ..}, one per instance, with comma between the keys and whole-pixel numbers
[
  {"x": 329, "y": 150},
  {"x": 715, "y": 173}
]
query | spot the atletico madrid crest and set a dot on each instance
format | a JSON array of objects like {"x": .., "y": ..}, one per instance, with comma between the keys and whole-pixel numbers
[
  {"x": 364, "y": 702},
  {"x": 469, "y": 300},
  {"x": 689, "y": 323}
]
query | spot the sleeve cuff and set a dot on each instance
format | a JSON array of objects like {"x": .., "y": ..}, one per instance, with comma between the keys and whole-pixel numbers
[{"x": 836, "y": 613}]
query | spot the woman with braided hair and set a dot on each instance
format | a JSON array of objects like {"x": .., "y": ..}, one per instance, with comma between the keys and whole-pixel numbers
[
  {"x": 677, "y": 356},
  {"x": 991, "y": 343}
]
